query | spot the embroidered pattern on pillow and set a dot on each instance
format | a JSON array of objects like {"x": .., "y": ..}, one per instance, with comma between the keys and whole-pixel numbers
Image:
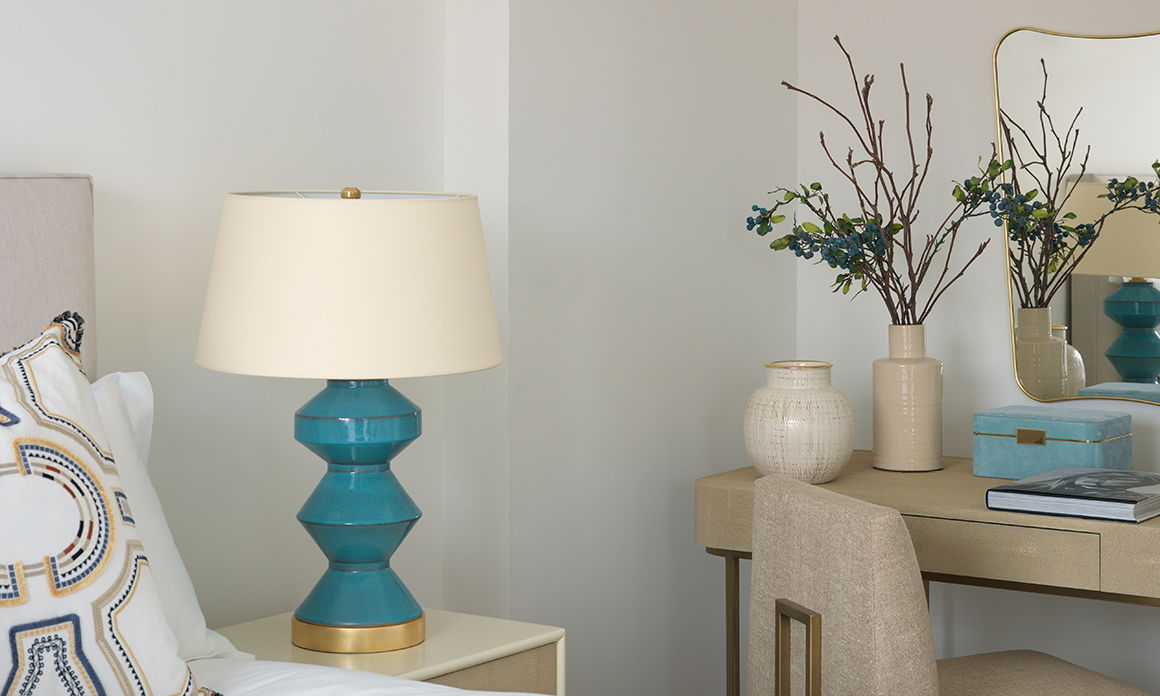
[{"x": 79, "y": 612}]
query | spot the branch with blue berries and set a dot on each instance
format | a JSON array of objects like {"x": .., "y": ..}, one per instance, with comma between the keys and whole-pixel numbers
[
  {"x": 881, "y": 246},
  {"x": 1045, "y": 243}
]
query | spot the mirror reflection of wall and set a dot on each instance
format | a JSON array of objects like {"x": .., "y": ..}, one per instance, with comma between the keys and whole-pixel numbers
[
  {"x": 1094, "y": 331},
  {"x": 1103, "y": 77}
]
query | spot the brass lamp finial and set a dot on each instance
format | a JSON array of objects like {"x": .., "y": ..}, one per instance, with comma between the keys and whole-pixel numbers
[{"x": 351, "y": 192}]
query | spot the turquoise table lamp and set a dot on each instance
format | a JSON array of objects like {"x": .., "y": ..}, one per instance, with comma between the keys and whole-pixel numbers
[{"x": 357, "y": 289}]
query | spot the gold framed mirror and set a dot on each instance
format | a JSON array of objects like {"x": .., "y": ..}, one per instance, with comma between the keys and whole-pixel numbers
[{"x": 1102, "y": 125}]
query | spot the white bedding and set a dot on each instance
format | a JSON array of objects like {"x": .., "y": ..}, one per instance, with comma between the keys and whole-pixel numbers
[{"x": 237, "y": 677}]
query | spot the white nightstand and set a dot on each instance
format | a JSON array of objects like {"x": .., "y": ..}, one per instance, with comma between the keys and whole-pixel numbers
[{"x": 461, "y": 650}]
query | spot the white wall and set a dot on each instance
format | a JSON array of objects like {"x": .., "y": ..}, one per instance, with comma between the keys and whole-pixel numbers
[
  {"x": 637, "y": 310},
  {"x": 947, "y": 50},
  {"x": 642, "y": 312},
  {"x": 169, "y": 106},
  {"x": 475, "y": 492}
]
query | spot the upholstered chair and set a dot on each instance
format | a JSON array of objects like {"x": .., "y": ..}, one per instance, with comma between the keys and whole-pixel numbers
[{"x": 853, "y": 563}]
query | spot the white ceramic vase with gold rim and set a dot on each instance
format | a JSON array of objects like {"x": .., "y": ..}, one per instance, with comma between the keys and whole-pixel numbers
[
  {"x": 1040, "y": 357},
  {"x": 908, "y": 388},
  {"x": 799, "y": 424}
]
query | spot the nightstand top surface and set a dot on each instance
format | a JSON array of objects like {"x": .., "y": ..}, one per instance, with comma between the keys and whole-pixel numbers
[{"x": 454, "y": 641}]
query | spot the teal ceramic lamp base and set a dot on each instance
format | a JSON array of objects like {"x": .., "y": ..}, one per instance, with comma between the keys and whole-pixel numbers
[
  {"x": 358, "y": 515},
  {"x": 1136, "y": 351}
]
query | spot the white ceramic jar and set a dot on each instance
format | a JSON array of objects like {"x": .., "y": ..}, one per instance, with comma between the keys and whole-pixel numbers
[{"x": 799, "y": 424}]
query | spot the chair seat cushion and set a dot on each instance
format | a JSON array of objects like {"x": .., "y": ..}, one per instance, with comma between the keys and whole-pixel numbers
[{"x": 1024, "y": 672}]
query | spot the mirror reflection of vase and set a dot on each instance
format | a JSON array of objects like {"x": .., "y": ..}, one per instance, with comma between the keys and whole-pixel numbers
[
  {"x": 1076, "y": 374},
  {"x": 1040, "y": 358}
]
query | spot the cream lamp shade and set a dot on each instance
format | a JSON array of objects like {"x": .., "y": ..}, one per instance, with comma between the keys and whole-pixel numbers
[
  {"x": 314, "y": 285},
  {"x": 1129, "y": 244}
]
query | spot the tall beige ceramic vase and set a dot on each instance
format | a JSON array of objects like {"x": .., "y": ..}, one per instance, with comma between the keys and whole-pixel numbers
[
  {"x": 908, "y": 389},
  {"x": 799, "y": 424}
]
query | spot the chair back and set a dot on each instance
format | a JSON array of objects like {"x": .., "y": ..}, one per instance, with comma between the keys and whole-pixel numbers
[{"x": 854, "y": 563}]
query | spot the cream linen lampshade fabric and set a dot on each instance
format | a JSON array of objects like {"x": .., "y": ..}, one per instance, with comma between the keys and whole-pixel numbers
[
  {"x": 1129, "y": 243},
  {"x": 390, "y": 285},
  {"x": 854, "y": 563}
]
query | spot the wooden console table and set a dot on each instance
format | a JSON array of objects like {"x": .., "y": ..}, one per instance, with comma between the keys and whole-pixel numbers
[{"x": 956, "y": 538}]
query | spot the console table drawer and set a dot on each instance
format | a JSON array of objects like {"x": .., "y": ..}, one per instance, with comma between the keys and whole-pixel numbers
[{"x": 1006, "y": 552}]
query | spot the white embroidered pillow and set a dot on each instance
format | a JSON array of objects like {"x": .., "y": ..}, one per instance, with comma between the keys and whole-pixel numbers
[{"x": 79, "y": 610}]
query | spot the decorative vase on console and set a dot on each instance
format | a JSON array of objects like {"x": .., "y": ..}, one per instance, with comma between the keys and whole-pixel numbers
[
  {"x": 908, "y": 388},
  {"x": 799, "y": 424},
  {"x": 880, "y": 247},
  {"x": 1040, "y": 357}
]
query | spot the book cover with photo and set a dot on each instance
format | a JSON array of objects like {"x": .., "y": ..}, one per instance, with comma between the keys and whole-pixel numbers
[{"x": 1105, "y": 494}]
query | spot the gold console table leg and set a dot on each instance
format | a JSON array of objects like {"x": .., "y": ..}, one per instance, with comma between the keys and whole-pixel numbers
[{"x": 732, "y": 617}]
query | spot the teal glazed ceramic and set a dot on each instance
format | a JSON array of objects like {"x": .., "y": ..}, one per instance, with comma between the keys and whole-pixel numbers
[
  {"x": 1136, "y": 351},
  {"x": 359, "y": 513}
]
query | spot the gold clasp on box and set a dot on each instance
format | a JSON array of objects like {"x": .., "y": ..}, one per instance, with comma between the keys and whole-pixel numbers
[{"x": 1029, "y": 436}]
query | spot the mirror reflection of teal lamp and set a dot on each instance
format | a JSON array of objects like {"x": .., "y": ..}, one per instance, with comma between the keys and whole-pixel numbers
[
  {"x": 355, "y": 288},
  {"x": 1128, "y": 246}
]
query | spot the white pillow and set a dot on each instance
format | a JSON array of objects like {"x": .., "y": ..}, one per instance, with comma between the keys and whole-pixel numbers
[
  {"x": 125, "y": 401},
  {"x": 79, "y": 609}
]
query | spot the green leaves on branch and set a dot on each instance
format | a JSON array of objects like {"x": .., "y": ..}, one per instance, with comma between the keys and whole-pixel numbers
[
  {"x": 880, "y": 244},
  {"x": 861, "y": 245}
]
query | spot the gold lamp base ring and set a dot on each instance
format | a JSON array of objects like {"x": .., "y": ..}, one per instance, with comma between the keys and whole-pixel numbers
[{"x": 358, "y": 639}]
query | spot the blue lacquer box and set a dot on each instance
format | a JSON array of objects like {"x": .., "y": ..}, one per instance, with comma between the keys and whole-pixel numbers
[{"x": 1019, "y": 441}]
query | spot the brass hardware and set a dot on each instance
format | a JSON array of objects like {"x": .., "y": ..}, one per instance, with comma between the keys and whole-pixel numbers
[
  {"x": 350, "y": 192},
  {"x": 729, "y": 553},
  {"x": 732, "y": 616},
  {"x": 358, "y": 639},
  {"x": 930, "y": 576},
  {"x": 786, "y": 610},
  {"x": 1051, "y": 439},
  {"x": 799, "y": 364},
  {"x": 1030, "y": 436}
]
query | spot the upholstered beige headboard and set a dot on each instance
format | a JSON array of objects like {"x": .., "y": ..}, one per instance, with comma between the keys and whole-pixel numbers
[{"x": 46, "y": 257}]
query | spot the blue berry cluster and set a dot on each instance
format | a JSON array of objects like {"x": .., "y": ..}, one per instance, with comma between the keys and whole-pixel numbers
[
  {"x": 847, "y": 245},
  {"x": 762, "y": 216},
  {"x": 1029, "y": 221},
  {"x": 1134, "y": 191},
  {"x": 850, "y": 251}
]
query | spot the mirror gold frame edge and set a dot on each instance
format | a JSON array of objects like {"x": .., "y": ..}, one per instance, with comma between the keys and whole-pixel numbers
[{"x": 1006, "y": 234}]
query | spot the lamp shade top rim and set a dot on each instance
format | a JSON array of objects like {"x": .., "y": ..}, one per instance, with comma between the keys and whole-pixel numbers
[{"x": 366, "y": 195}]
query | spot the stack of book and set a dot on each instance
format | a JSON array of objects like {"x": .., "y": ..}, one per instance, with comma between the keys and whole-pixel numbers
[{"x": 1102, "y": 494}]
